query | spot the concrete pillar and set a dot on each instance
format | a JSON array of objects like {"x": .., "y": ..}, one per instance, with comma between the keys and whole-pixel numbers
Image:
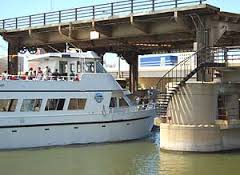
[
  {"x": 12, "y": 58},
  {"x": 208, "y": 33},
  {"x": 130, "y": 77},
  {"x": 194, "y": 104},
  {"x": 133, "y": 74},
  {"x": 232, "y": 106},
  {"x": 132, "y": 60},
  {"x": 202, "y": 36},
  {"x": 204, "y": 40}
]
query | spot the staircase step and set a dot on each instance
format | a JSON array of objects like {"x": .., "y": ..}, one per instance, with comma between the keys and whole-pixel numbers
[
  {"x": 164, "y": 96},
  {"x": 172, "y": 89},
  {"x": 163, "y": 107},
  {"x": 163, "y": 103},
  {"x": 171, "y": 92},
  {"x": 163, "y": 99}
]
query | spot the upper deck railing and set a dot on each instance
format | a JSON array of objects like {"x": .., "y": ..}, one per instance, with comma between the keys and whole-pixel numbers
[{"x": 124, "y": 7}]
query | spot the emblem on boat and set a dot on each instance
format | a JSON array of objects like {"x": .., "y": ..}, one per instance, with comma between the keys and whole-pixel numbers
[{"x": 98, "y": 97}]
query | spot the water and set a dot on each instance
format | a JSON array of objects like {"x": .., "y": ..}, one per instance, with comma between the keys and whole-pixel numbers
[{"x": 140, "y": 157}]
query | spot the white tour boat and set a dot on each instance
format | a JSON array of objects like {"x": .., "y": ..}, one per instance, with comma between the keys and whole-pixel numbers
[{"x": 82, "y": 104}]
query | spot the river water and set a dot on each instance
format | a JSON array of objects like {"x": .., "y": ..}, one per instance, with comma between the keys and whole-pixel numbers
[{"x": 141, "y": 157}]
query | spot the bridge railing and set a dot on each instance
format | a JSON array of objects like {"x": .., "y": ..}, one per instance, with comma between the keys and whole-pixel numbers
[{"x": 120, "y": 8}]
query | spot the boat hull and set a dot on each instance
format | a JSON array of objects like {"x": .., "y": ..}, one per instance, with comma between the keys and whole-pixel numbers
[{"x": 70, "y": 133}]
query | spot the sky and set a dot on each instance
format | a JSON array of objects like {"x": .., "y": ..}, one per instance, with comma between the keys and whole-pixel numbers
[{"x": 15, "y": 8}]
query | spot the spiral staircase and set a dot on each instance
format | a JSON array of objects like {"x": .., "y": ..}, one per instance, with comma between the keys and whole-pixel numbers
[{"x": 175, "y": 78}]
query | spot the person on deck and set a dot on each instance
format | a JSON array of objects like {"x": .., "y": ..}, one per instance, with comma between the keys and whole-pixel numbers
[
  {"x": 30, "y": 73},
  {"x": 55, "y": 74},
  {"x": 46, "y": 73},
  {"x": 5, "y": 75},
  {"x": 72, "y": 75},
  {"x": 39, "y": 74}
]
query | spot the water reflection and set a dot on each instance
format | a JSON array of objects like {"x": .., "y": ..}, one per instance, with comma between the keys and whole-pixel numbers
[
  {"x": 199, "y": 164},
  {"x": 136, "y": 157},
  {"x": 140, "y": 157}
]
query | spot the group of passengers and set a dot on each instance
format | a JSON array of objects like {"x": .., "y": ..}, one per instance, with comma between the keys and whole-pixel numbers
[
  {"x": 39, "y": 74},
  {"x": 46, "y": 74}
]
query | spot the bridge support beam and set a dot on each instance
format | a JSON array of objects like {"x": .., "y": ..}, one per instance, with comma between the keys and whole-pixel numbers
[
  {"x": 204, "y": 40},
  {"x": 12, "y": 58},
  {"x": 208, "y": 34},
  {"x": 133, "y": 76},
  {"x": 132, "y": 60},
  {"x": 202, "y": 56}
]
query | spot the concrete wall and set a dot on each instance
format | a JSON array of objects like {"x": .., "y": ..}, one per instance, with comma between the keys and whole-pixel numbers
[
  {"x": 230, "y": 76},
  {"x": 232, "y": 106},
  {"x": 195, "y": 103},
  {"x": 3, "y": 64},
  {"x": 198, "y": 138},
  {"x": 194, "y": 111},
  {"x": 147, "y": 83},
  {"x": 230, "y": 138}
]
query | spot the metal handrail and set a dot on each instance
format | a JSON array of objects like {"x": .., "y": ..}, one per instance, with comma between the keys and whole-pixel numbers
[
  {"x": 176, "y": 66},
  {"x": 135, "y": 108},
  {"x": 40, "y": 78},
  {"x": 93, "y": 12},
  {"x": 214, "y": 54}
]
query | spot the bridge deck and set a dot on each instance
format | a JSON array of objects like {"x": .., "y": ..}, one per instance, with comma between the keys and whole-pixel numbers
[{"x": 97, "y": 12}]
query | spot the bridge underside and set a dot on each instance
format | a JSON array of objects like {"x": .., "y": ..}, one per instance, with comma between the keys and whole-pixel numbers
[{"x": 170, "y": 30}]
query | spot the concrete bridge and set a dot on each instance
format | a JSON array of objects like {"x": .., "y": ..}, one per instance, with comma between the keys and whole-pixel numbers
[{"x": 127, "y": 27}]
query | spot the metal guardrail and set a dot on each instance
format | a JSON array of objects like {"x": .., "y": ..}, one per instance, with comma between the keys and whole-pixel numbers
[
  {"x": 181, "y": 70},
  {"x": 229, "y": 54},
  {"x": 40, "y": 78},
  {"x": 93, "y": 12},
  {"x": 178, "y": 72}
]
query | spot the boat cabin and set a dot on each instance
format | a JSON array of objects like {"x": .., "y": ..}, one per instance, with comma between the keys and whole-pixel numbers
[{"x": 69, "y": 64}]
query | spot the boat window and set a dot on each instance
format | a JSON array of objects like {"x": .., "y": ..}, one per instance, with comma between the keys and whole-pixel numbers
[
  {"x": 63, "y": 67},
  {"x": 113, "y": 102},
  {"x": 77, "y": 104},
  {"x": 54, "y": 104},
  {"x": 72, "y": 67},
  {"x": 79, "y": 67},
  {"x": 122, "y": 102},
  {"x": 89, "y": 67},
  {"x": 8, "y": 105},
  {"x": 100, "y": 68},
  {"x": 133, "y": 99},
  {"x": 31, "y": 105}
]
